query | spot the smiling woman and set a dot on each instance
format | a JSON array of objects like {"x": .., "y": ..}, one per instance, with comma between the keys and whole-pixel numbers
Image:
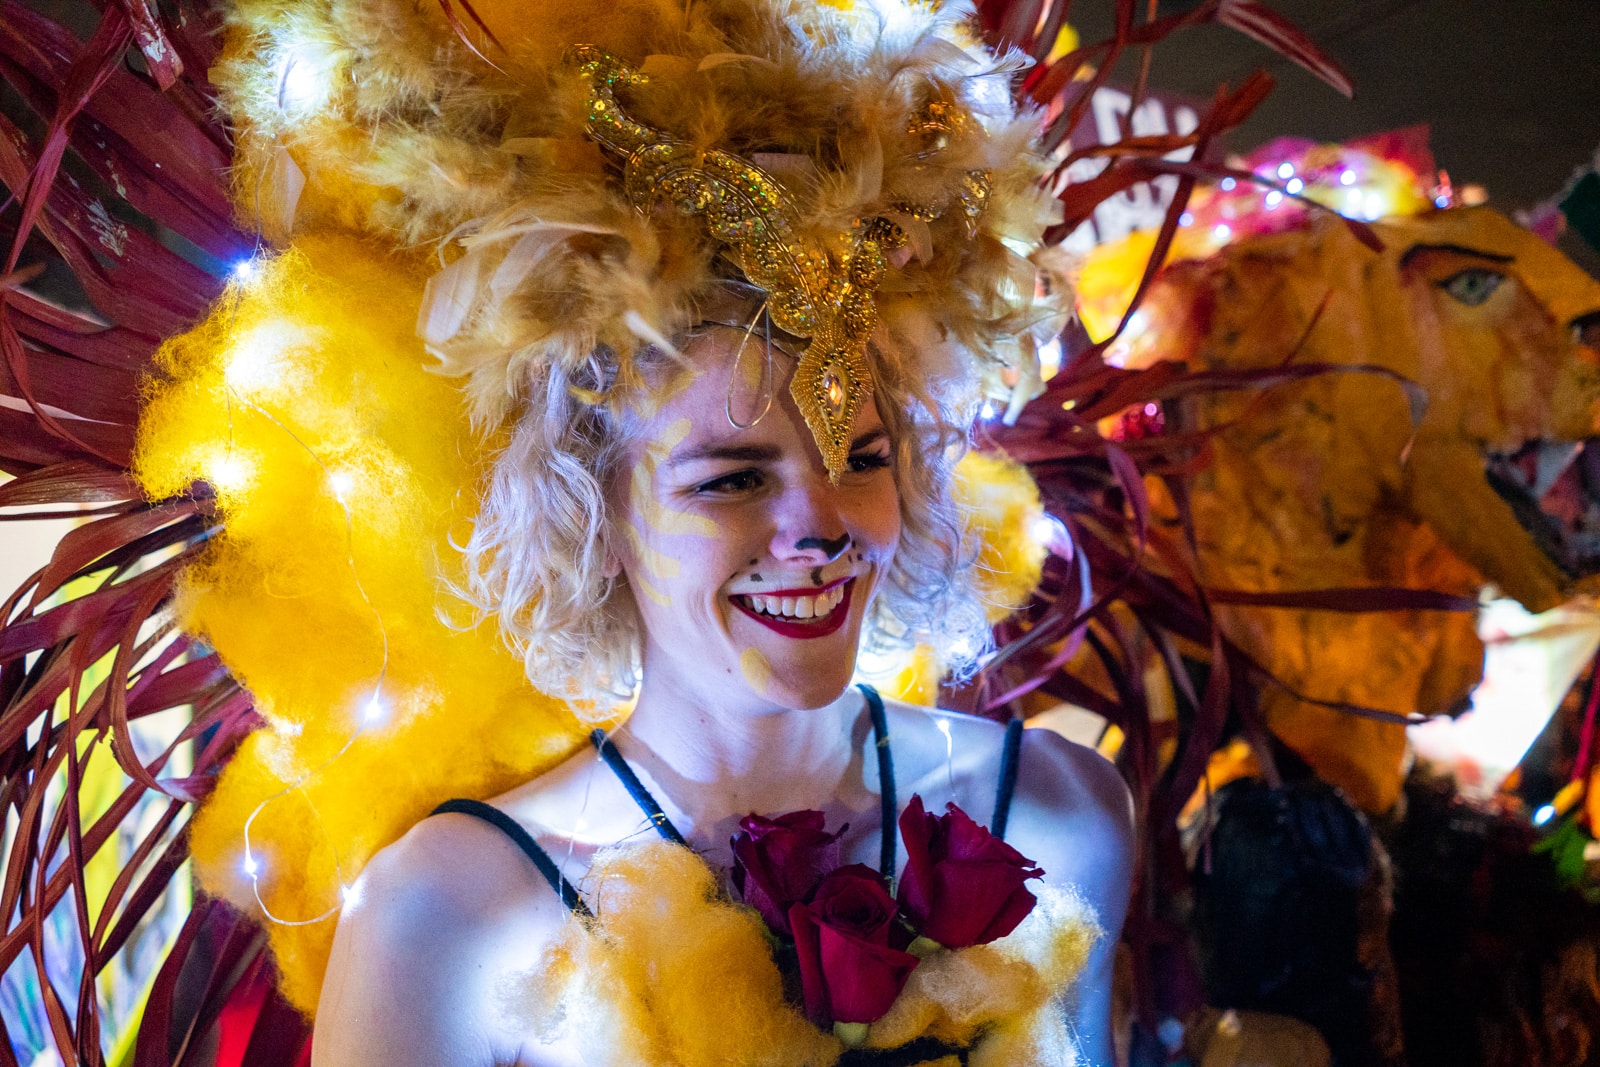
[
  {"x": 723, "y": 287},
  {"x": 672, "y": 457},
  {"x": 735, "y": 577},
  {"x": 751, "y": 569}
]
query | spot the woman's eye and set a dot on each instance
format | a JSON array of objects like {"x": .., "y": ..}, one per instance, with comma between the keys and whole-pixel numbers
[
  {"x": 1473, "y": 286},
  {"x": 868, "y": 461},
  {"x": 738, "y": 482}
]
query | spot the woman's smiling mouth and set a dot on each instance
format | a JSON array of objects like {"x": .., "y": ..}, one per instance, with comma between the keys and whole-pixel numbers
[{"x": 799, "y": 612}]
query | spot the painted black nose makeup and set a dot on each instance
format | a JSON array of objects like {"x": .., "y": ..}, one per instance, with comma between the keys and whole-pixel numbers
[{"x": 831, "y": 549}]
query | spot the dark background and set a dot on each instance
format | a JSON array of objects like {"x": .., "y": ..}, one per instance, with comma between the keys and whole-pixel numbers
[{"x": 1511, "y": 88}]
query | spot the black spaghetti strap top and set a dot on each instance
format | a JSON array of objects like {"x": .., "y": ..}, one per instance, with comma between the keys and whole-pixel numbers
[{"x": 658, "y": 818}]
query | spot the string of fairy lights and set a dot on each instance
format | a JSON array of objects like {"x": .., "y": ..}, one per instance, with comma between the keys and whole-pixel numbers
[{"x": 250, "y": 365}]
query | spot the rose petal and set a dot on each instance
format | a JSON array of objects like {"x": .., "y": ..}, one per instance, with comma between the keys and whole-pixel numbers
[
  {"x": 862, "y": 979},
  {"x": 808, "y": 950}
]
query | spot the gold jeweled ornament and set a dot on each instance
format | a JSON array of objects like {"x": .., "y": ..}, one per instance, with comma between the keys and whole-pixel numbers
[{"x": 820, "y": 290}]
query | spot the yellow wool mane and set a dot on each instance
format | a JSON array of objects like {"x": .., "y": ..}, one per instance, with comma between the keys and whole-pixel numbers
[{"x": 301, "y": 388}]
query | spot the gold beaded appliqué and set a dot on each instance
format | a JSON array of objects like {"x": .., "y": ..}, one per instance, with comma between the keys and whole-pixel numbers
[{"x": 818, "y": 290}]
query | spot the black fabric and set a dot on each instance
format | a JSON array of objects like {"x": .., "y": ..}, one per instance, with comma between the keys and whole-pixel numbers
[
  {"x": 1009, "y": 756},
  {"x": 630, "y": 781},
  {"x": 1278, "y": 913},
  {"x": 880, "y": 732},
  {"x": 886, "y": 798},
  {"x": 922, "y": 1050},
  {"x": 523, "y": 840}
]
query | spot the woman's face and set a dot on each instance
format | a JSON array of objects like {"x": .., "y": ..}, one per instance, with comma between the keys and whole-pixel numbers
[{"x": 751, "y": 571}]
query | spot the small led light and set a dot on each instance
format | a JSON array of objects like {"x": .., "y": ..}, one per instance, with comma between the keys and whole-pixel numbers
[
  {"x": 963, "y": 648},
  {"x": 1294, "y": 185},
  {"x": 1049, "y": 531},
  {"x": 258, "y": 358},
  {"x": 1068, "y": 405},
  {"x": 1347, "y": 178},
  {"x": 1274, "y": 198},
  {"x": 1151, "y": 409},
  {"x": 228, "y": 471},
  {"x": 251, "y": 867},
  {"x": 1352, "y": 200},
  {"x": 1544, "y": 815},
  {"x": 988, "y": 411},
  {"x": 341, "y": 483},
  {"x": 246, "y": 270},
  {"x": 1286, "y": 170},
  {"x": 1227, "y": 185},
  {"x": 351, "y": 895},
  {"x": 1222, "y": 231},
  {"x": 374, "y": 709},
  {"x": 1050, "y": 358},
  {"x": 1441, "y": 201},
  {"x": 1186, "y": 219},
  {"x": 1374, "y": 206}
]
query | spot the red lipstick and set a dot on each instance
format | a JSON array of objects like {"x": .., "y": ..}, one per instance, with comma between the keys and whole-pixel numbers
[{"x": 802, "y": 630}]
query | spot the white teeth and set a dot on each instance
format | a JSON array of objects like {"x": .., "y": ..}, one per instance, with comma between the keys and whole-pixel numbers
[{"x": 803, "y": 607}]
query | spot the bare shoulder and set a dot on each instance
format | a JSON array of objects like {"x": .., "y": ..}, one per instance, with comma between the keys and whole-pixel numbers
[
  {"x": 452, "y": 868},
  {"x": 1070, "y": 811},
  {"x": 422, "y": 948}
]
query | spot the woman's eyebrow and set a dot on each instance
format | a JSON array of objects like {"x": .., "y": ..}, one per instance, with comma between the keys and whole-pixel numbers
[
  {"x": 755, "y": 453},
  {"x": 871, "y": 437},
  {"x": 713, "y": 450}
]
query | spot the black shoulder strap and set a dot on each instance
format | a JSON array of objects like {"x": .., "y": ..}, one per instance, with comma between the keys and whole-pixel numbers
[
  {"x": 1009, "y": 755},
  {"x": 630, "y": 781},
  {"x": 523, "y": 840},
  {"x": 890, "y": 806}
]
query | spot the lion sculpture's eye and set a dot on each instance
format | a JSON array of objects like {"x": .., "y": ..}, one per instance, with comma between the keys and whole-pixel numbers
[{"x": 1473, "y": 286}]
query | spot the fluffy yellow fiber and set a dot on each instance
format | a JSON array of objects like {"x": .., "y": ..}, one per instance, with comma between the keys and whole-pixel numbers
[
  {"x": 303, "y": 387},
  {"x": 1003, "y": 997},
  {"x": 670, "y": 972},
  {"x": 1004, "y": 513}
]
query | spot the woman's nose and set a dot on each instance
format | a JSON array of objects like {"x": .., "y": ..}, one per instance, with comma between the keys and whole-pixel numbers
[{"x": 810, "y": 528}]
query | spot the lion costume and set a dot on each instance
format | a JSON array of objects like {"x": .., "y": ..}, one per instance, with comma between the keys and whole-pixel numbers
[{"x": 1345, "y": 479}]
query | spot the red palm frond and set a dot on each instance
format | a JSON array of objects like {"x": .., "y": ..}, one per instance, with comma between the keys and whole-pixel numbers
[{"x": 126, "y": 165}]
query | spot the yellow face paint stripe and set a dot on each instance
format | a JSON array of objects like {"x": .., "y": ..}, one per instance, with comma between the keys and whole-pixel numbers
[
  {"x": 645, "y": 503},
  {"x": 757, "y": 671}
]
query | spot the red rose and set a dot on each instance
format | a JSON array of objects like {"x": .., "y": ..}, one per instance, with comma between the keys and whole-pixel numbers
[
  {"x": 848, "y": 971},
  {"x": 962, "y": 885},
  {"x": 778, "y": 862}
]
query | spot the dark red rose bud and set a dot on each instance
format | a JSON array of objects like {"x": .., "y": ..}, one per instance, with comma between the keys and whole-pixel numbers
[
  {"x": 962, "y": 885},
  {"x": 848, "y": 972},
  {"x": 778, "y": 862}
]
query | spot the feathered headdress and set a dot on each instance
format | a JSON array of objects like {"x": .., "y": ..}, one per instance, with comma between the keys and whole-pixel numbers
[{"x": 590, "y": 172}]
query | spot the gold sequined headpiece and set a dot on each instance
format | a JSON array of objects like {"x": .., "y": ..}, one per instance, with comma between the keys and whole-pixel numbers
[{"x": 819, "y": 289}]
